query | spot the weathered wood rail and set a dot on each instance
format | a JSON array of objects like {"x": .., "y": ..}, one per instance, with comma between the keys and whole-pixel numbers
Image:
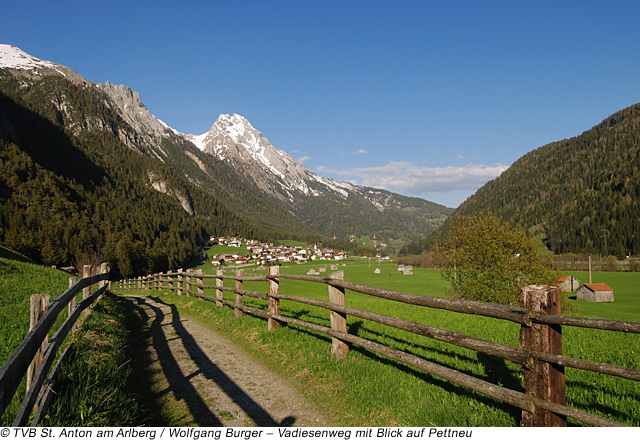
[
  {"x": 37, "y": 347},
  {"x": 539, "y": 353}
]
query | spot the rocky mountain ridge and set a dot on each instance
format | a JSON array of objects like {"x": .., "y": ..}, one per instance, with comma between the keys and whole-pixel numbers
[{"x": 232, "y": 142}]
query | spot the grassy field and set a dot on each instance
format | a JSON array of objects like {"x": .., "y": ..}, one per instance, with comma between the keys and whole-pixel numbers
[
  {"x": 626, "y": 285},
  {"x": 371, "y": 390},
  {"x": 102, "y": 383},
  {"x": 365, "y": 389},
  {"x": 19, "y": 279},
  {"x": 105, "y": 394}
]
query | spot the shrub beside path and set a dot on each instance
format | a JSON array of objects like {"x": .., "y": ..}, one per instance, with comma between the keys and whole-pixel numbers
[{"x": 204, "y": 379}]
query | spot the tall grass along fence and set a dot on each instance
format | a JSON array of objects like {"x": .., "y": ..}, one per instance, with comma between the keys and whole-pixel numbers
[
  {"x": 540, "y": 351},
  {"x": 36, "y": 353}
]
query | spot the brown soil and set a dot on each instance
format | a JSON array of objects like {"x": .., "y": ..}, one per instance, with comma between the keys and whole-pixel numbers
[{"x": 203, "y": 379}]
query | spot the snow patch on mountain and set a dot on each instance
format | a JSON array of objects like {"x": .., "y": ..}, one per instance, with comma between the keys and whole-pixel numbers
[
  {"x": 232, "y": 138},
  {"x": 13, "y": 58}
]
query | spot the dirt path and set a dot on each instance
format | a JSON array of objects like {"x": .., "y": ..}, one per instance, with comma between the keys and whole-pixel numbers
[{"x": 208, "y": 381}]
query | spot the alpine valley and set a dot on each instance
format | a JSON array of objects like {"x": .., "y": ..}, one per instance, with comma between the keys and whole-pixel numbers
[{"x": 86, "y": 170}]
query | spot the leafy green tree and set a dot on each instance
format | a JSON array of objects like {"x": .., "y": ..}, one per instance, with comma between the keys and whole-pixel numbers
[{"x": 485, "y": 259}]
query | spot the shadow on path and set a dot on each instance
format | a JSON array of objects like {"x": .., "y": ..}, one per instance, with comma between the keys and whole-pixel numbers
[{"x": 181, "y": 385}]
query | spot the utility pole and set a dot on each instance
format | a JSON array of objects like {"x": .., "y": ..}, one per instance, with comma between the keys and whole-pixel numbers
[{"x": 605, "y": 234}]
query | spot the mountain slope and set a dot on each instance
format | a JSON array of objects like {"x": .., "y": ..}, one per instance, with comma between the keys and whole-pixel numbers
[
  {"x": 206, "y": 171},
  {"x": 325, "y": 205},
  {"x": 232, "y": 161},
  {"x": 71, "y": 188},
  {"x": 584, "y": 192}
]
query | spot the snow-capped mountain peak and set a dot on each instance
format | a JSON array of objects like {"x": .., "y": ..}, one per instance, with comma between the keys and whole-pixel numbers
[
  {"x": 12, "y": 57},
  {"x": 233, "y": 139}
]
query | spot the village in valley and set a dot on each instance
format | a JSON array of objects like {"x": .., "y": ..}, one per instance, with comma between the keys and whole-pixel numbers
[{"x": 269, "y": 253}]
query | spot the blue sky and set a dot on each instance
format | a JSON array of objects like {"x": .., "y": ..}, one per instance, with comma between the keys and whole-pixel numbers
[{"x": 425, "y": 98}]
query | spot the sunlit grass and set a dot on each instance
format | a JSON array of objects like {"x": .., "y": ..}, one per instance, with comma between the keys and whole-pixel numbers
[{"x": 372, "y": 390}]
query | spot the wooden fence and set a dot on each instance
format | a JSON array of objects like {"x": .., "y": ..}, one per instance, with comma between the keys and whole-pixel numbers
[
  {"x": 36, "y": 353},
  {"x": 539, "y": 353}
]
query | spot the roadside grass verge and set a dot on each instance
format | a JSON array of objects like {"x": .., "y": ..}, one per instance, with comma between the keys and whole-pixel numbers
[
  {"x": 100, "y": 387},
  {"x": 102, "y": 383},
  {"x": 19, "y": 279},
  {"x": 370, "y": 390}
]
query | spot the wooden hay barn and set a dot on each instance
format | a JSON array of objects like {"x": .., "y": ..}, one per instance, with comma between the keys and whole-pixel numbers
[
  {"x": 595, "y": 292},
  {"x": 568, "y": 284}
]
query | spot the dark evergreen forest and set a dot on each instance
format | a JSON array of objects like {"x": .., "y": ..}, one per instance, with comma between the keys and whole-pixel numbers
[
  {"x": 71, "y": 190},
  {"x": 583, "y": 192}
]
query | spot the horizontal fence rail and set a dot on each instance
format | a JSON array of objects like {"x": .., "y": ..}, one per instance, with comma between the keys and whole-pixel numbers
[
  {"x": 542, "y": 404},
  {"x": 16, "y": 366}
]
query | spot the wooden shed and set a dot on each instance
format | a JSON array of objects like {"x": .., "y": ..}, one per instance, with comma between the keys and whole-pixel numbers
[
  {"x": 595, "y": 292},
  {"x": 568, "y": 283}
]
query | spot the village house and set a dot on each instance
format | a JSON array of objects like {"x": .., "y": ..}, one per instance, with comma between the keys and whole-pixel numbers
[
  {"x": 595, "y": 292},
  {"x": 218, "y": 260},
  {"x": 242, "y": 259},
  {"x": 265, "y": 253}
]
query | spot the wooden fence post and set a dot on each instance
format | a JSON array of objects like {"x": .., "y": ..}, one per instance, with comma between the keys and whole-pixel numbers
[
  {"x": 37, "y": 307},
  {"x": 104, "y": 268},
  {"x": 274, "y": 303},
  {"x": 200, "y": 283},
  {"x": 180, "y": 286},
  {"x": 237, "y": 312},
  {"x": 86, "y": 272},
  {"x": 219, "y": 284},
  {"x": 339, "y": 349},
  {"x": 189, "y": 279},
  {"x": 72, "y": 303},
  {"x": 545, "y": 381}
]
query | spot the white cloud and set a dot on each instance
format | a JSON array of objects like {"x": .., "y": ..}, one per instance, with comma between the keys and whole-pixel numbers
[
  {"x": 407, "y": 178},
  {"x": 303, "y": 159},
  {"x": 361, "y": 151}
]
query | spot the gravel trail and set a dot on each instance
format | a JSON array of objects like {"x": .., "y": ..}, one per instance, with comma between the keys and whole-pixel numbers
[{"x": 209, "y": 381}]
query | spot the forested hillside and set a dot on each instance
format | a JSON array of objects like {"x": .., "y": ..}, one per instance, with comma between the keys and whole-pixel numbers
[
  {"x": 356, "y": 215},
  {"x": 582, "y": 192},
  {"x": 70, "y": 188},
  {"x": 271, "y": 220}
]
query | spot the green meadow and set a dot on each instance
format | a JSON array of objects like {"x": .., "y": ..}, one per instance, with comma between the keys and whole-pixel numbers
[
  {"x": 365, "y": 389},
  {"x": 98, "y": 378},
  {"x": 372, "y": 390},
  {"x": 19, "y": 279}
]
